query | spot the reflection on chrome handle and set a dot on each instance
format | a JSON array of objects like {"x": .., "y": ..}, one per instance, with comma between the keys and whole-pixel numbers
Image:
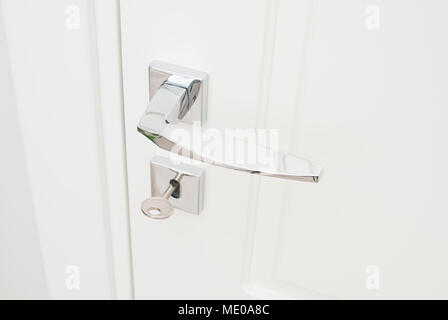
[{"x": 163, "y": 124}]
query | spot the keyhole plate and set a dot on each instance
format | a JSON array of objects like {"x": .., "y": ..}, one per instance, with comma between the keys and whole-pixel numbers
[{"x": 191, "y": 184}]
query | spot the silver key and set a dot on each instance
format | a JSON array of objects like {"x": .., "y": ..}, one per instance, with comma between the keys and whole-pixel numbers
[{"x": 160, "y": 207}]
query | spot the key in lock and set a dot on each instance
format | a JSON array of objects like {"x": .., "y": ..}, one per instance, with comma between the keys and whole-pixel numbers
[
  {"x": 160, "y": 207},
  {"x": 173, "y": 185}
]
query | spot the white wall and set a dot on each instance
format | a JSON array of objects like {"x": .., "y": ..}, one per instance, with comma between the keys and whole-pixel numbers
[
  {"x": 21, "y": 264},
  {"x": 71, "y": 170}
]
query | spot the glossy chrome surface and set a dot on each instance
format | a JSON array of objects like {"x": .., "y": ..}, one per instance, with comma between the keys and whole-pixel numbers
[
  {"x": 162, "y": 123},
  {"x": 191, "y": 183},
  {"x": 285, "y": 166},
  {"x": 159, "y": 72}
]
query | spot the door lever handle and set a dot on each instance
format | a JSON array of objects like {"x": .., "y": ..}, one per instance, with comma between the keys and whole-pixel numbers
[{"x": 178, "y": 100}]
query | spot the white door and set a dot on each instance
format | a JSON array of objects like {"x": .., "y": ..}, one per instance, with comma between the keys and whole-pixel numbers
[{"x": 358, "y": 86}]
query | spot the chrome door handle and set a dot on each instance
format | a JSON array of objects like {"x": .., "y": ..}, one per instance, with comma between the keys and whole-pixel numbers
[{"x": 178, "y": 99}]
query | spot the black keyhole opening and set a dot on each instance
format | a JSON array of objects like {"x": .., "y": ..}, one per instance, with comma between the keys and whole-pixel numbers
[{"x": 176, "y": 185}]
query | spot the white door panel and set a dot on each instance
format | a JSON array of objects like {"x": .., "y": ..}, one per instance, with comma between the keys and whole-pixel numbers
[
  {"x": 55, "y": 78},
  {"x": 188, "y": 255},
  {"x": 375, "y": 104},
  {"x": 369, "y": 104}
]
